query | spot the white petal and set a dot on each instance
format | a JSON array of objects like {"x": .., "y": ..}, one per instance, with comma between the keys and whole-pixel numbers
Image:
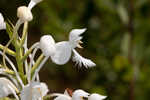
[
  {"x": 96, "y": 96},
  {"x": 2, "y": 23},
  {"x": 60, "y": 96},
  {"x": 47, "y": 45},
  {"x": 75, "y": 34},
  {"x": 34, "y": 91},
  {"x": 66, "y": 93},
  {"x": 77, "y": 94},
  {"x": 2, "y": 70},
  {"x": 5, "y": 85},
  {"x": 44, "y": 89},
  {"x": 62, "y": 54},
  {"x": 63, "y": 97},
  {"x": 81, "y": 60},
  {"x": 33, "y": 3},
  {"x": 1, "y": 18}
]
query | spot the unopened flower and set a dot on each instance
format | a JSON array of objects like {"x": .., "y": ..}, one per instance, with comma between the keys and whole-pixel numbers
[
  {"x": 47, "y": 45},
  {"x": 6, "y": 88},
  {"x": 34, "y": 91},
  {"x": 96, "y": 96},
  {"x": 2, "y": 23},
  {"x": 24, "y": 13},
  {"x": 33, "y": 3},
  {"x": 64, "y": 50}
]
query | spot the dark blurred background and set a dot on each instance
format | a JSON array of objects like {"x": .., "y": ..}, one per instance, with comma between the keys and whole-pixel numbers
[{"x": 117, "y": 40}]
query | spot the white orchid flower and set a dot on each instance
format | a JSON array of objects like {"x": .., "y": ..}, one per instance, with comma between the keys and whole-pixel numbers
[
  {"x": 33, "y": 3},
  {"x": 7, "y": 88},
  {"x": 96, "y": 96},
  {"x": 2, "y": 23},
  {"x": 77, "y": 95},
  {"x": 34, "y": 91},
  {"x": 65, "y": 48}
]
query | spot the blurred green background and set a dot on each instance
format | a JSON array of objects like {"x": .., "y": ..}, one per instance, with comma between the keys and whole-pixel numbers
[{"x": 117, "y": 40}]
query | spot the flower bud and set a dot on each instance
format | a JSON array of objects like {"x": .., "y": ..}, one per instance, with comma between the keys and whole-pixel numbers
[
  {"x": 47, "y": 45},
  {"x": 24, "y": 13}
]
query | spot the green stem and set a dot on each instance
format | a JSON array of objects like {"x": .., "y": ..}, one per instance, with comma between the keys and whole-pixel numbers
[
  {"x": 9, "y": 51},
  {"x": 37, "y": 63},
  {"x": 24, "y": 34},
  {"x": 19, "y": 53},
  {"x": 19, "y": 62},
  {"x": 29, "y": 52}
]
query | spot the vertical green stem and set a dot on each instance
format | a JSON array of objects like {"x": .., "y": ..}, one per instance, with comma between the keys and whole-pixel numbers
[{"x": 19, "y": 52}]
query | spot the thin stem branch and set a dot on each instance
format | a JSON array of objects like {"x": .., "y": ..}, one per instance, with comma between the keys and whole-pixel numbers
[
  {"x": 39, "y": 68},
  {"x": 14, "y": 36},
  {"x": 37, "y": 63},
  {"x": 24, "y": 34},
  {"x": 9, "y": 51},
  {"x": 29, "y": 51},
  {"x": 15, "y": 70}
]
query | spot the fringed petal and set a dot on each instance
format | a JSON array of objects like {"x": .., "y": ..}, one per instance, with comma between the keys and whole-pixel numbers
[
  {"x": 62, "y": 54},
  {"x": 82, "y": 61}
]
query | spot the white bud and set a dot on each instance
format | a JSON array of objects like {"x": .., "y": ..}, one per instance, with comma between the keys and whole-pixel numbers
[
  {"x": 2, "y": 23},
  {"x": 47, "y": 45},
  {"x": 24, "y": 13}
]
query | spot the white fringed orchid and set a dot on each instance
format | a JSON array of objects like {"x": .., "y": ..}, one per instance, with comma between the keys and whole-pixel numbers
[
  {"x": 33, "y": 3},
  {"x": 7, "y": 88},
  {"x": 77, "y": 95},
  {"x": 2, "y": 23},
  {"x": 96, "y": 96},
  {"x": 34, "y": 91},
  {"x": 64, "y": 50}
]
